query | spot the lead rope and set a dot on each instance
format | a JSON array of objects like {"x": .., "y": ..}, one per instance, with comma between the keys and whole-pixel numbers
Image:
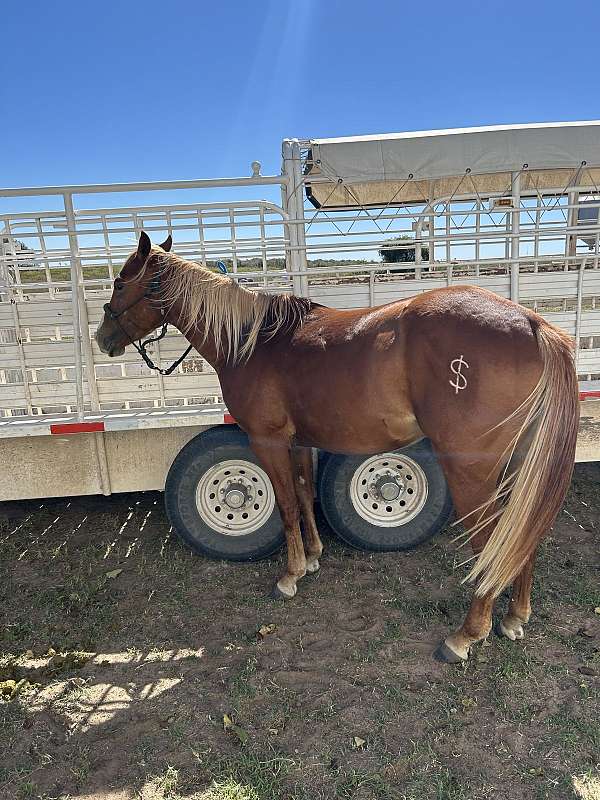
[{"x": 141, "y": 346}]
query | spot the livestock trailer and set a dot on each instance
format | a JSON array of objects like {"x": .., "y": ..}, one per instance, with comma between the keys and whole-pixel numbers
[{"x": 348, "y": 222}]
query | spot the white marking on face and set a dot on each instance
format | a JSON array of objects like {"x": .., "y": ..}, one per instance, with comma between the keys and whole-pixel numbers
[{"x": 460, "y": 382}]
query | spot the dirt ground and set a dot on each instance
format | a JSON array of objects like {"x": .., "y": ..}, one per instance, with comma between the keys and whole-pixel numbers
[{"x": 132, "y": 668}]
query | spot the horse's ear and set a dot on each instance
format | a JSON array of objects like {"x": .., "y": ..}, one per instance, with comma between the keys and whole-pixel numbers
[
  {"x": 144, "y": 246},
  {"x": 167, "y": 244}
]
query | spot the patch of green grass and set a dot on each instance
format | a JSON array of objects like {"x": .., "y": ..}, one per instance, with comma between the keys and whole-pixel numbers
[
  {"x": 361, "y": 780},
  {"x": 420, "y": 775},
  {"x": 582, "y": 591},
  {"x": 447, "y": 786},
  {"x": 513, "y": 660},
  {"x": 241, "y": 687},
  {"x": 178, "y": 728},
  {"x": 142, "y": 751},
  {"x": 395, "y": 695},
  {"x": 62, "y": 607},
  {"x": 15, "y": 634},
  {"x": 512, "y": 681},
  {"x": 573, "y": 732},
  {"x": 228, "y": 789},
  {"x": 251, "y": 599},
  {"x": 423, "y": 610},
  {"x": 161, "y": 787},
  {"x": 28, "y": 789},
  {"x": 17, "y": 762},
  {"x": 62, "y": 274},
  {"x": 325, "y": 711},
  {"x": 81, "y": 764},
  {"x": 393, "y": 631},
  {"x": 567, "y": 587},
  {"x": 246, "y": 776}
]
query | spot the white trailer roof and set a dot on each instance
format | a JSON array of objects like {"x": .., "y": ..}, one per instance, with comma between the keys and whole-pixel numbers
[{"x": 373, "y": 169}]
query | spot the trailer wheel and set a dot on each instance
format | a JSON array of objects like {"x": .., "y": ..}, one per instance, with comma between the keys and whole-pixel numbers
[
  {"x": 392, "y": 501},
  {"x": 219, "y": 499}
]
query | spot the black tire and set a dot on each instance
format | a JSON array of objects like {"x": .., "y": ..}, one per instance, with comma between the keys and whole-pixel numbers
[
  {"x": 336, "y": 473},
  {"x": 199, "y": 456}
]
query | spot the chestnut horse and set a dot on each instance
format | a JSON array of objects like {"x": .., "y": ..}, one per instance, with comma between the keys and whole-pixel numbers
[{"x": 297, "y": 375}]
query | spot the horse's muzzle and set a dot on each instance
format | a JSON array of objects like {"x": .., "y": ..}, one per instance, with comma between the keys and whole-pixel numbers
[{"x": 109, "y": 344}]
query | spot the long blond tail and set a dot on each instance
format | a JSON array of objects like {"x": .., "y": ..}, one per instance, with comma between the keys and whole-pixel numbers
[{"x": 527, "y": 501}]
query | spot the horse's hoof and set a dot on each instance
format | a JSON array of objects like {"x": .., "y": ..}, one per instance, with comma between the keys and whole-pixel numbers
[
  {"x": 447, "y": 656},
  {"x": 509, "y": 633},
  {"x": 313, "y": 567},
  {"x": 277, "y": 594}
]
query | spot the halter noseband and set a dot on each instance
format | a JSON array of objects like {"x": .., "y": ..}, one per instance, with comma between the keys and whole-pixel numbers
[{"x": 140, "y": 346}]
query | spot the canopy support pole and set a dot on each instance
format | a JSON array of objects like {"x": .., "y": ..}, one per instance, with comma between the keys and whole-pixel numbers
[
  {"x": 294, "y": 200},
  {"x": 515, "y": 236},
  {"x": 572, "y": 215}
]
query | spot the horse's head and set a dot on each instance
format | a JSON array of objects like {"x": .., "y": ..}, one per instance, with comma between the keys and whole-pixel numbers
[{"x": 134, "y": 309}]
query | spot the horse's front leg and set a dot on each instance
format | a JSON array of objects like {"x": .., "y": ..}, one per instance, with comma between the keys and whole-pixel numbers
[
  {"x": 306, "y": 498},
  {"x": 276, "y": 458}
]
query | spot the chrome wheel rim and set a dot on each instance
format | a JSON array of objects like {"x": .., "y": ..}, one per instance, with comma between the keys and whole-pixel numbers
[
  {"x": 388, "y": 490},
  {"x": 235, "y": 497}
]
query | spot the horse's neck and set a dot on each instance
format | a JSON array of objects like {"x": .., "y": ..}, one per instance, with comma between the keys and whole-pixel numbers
[
  {"x": 207, "y": 345},
  {"x": 210, "y": 344}
]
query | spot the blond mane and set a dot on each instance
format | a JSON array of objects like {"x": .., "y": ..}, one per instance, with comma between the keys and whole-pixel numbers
[{"x": 216, "y": 301}]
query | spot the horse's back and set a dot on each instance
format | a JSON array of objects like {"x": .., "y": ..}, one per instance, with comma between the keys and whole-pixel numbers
[
  {"x": 473, "y": 306},
  {"x": 468, "y": 305}
]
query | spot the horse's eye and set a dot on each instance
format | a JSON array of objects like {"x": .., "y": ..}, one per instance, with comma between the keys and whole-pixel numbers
[{"x": 119, "y": 284}]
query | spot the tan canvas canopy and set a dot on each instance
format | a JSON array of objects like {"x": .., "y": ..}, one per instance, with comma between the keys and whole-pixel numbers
[{"x": 422, "y": 166}]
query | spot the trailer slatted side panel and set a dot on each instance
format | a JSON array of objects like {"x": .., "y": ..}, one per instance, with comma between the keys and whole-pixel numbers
[{"x": 38, "y": 364}]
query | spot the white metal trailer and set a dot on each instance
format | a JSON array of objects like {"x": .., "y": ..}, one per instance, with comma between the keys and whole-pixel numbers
[{"x": 513, "y": 209}]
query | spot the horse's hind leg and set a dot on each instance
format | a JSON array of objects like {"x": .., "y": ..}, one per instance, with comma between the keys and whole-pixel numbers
[
  {"x": 519, "y": 608},
  {"x": 469, "y": 492},
  {"x": 477, "y": 625},
  {"x": 276, "y": 458},
  {"x": 305, "y": 493}
]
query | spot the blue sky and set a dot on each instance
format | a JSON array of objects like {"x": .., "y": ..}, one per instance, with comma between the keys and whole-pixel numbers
[{"x": 149, "y": 90}]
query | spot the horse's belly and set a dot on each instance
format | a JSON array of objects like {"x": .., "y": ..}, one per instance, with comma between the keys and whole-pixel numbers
[
  {"x": 356, "y": 430},
  {"x": 358, "y": 404}
]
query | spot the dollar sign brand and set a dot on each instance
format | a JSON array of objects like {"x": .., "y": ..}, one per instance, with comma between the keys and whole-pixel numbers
[{"x": 460, "y": 382}]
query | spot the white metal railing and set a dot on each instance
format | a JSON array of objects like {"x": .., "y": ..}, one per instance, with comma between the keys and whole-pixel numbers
[
  {"x": 56, "y": 270},
  {"x": 540, "y": 251},
  {"x": 536, "y": 247}
]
